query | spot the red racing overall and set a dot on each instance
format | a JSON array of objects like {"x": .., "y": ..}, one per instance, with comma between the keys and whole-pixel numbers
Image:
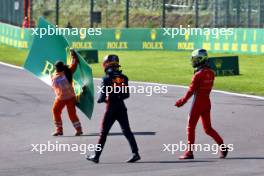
[{"x": 201, "y": 86}]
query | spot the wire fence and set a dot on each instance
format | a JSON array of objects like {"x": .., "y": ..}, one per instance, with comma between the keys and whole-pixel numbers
[
  {"x": 215, "y": 13},
  {"x": 12, "y": 11},
  {"x": 137, "y": 13}
]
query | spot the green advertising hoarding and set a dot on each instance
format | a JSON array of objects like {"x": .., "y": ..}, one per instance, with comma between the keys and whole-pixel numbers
[
  {"x": 225, "y": 66},
  {"x": 242, "y": 40},
  {"x": 46, "y": 51},
  {"x": 15, "y": 36},
  {"x": 248, "y": 41},
  {"x": 90, "y": 56},
  {"x": 127, "y": 39}
]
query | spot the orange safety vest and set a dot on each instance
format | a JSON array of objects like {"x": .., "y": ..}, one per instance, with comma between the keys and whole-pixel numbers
[{"x": 61, "y": 86}]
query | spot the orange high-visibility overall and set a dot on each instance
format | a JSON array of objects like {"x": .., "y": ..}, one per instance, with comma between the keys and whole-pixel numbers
[{"x": 65, "y": 96}]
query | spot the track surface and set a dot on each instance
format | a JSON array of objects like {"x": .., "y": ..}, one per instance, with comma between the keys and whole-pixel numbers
[{"x": 25, "y": 119}]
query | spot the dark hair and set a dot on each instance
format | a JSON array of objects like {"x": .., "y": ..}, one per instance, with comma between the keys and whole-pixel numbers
[
  {"x": 68, "y": 73},
  {"x": 59, "y": 65}
]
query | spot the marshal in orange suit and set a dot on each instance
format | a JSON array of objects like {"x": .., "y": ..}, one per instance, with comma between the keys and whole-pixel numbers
[{"x": 62, "y": 84}]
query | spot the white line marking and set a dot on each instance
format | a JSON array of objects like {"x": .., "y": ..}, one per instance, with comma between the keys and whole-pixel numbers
[
  {"x": 178, "y": 86},
  {"x": 12, "y": 66},
  {"x": 215, "y": 91}
]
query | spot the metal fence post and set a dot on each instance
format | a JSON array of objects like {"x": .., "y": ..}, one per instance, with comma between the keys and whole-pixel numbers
[
  {"x": 249, "y": 14},
  {"x": 163, "y": 13},
  {"x": 57, "y": 12},
  {"x": 215, "y": 13},
  {"x": 31, "y": 13},
  {"x": 196, "y": 13},
  {"x": 91, "y": 13},
  {"x": 261, "y": 13},
  {"x": 227, "y": 15},
  {"x": 127, "y": 13},
  {"x": 238, "y": 5}
]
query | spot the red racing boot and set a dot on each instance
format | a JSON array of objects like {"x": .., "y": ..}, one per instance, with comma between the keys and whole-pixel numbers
[
  {"x": 58, "y": 132},
  {"x": 187, "y": 155},
  {"x": 78, "y": 131}
]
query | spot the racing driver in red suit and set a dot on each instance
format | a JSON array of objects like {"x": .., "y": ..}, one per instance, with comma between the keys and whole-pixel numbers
[{"x": 201, "y": 86}]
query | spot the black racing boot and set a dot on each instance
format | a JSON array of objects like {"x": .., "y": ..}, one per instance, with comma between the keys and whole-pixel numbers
[
  {"x": 134, "y": 158},
  {"x": 224, "y": 153},
  {"x": 92, "y": 158}
]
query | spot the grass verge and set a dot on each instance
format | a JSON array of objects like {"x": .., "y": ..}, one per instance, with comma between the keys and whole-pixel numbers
[{"x": 168, "y": 67}]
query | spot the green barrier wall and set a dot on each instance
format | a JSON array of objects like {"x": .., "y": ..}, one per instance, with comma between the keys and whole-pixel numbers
[
  {"x": 90, "y": 56},
  {"x": 15, "y": 36},
  {"x": 250, "y": 41},
  {"x": 225, "y": 66}
]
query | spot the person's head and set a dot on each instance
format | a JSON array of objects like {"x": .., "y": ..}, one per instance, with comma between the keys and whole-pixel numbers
[
  {"x": 199, "y": 58},
  {"x": 25, "y": 18},
  {"x": 111, "y": 61},
  {"x": 59, "y": 66}
]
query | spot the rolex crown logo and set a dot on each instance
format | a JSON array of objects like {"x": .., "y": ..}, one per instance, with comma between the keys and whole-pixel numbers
[
  {"x": 245, "y": 36},
  {"x": 235, "y": 36},
  {"x": 118, "y": 34},
  {"x": 69, "y": 58},
  {"x": 186, "y": 36},
  {"x": 82, "y": 34},
  {"x": 218, "y": 63},
  {"x": 153, "y": 34},
  {"x": 22, "y": 34},
  {"x": 207, "y": 37}
]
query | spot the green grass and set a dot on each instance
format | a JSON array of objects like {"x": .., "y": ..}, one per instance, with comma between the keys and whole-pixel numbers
[
  {"x": 12, "y": 55},
  {"x": 175, "y": 68},
  {"x": 169, "y": 67}
]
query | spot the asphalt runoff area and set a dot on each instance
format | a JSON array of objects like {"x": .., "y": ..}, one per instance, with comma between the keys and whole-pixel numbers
[{"x": 25, "y": 119}]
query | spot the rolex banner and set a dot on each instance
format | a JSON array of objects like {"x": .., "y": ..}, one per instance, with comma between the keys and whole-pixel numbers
[
  {"x": 45, "y": 51},
  {"x": 218, "y": 40}
]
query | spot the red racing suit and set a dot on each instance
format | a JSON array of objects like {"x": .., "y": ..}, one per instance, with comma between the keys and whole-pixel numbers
[{"x": 201, "y": 86}]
